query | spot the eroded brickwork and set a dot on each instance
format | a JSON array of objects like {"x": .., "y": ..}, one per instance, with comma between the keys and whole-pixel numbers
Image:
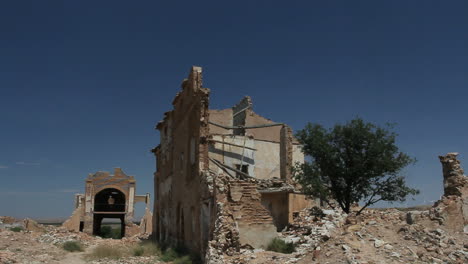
[
  {"x": 212, "y": 169},
  {"x": 452, "y": 209}
]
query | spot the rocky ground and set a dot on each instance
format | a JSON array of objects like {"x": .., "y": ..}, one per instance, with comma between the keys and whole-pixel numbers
[
  {"x": 43, "y": 244},
  {"x": 321, "y": 236},
  {"x": 376, "y": 236}
]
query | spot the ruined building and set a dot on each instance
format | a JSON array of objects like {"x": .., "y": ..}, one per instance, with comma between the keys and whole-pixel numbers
[
  {"x": 109, "y": 196},
  {"x": 223, "y": 177},
  {"x": 452, "y": 209}
]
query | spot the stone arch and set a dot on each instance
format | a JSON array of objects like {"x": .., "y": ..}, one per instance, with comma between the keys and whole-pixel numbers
[{"x": 110, "y": 200}]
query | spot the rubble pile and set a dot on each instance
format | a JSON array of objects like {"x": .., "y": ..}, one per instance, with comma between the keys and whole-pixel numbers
[
  {"x": 311, "y": 227},
  {"x": 275, "y": 184},
  {"x": 34, "y": 243},
  {"x": 7, "y": 222},
  {"x": 309, "y": 230},
  {"x": 386, "y": 236},
  {"x": 375, "y": 236},
  {"x": 58, "y": 236},
  {"x": 127, "y": 260},
  {"x": 22, "y": 247}
]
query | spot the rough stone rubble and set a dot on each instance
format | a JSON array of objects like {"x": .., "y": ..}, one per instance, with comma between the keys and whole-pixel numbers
[{"x": 42, "y": 244}]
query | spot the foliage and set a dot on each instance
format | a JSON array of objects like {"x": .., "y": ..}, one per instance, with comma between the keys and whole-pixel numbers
[
  {"x": 146, "y": 249},
  {"x": 358, "y": 161},
  {"x": 16, "y": 229},
  {"x": 109, "y": 232},
  {"x": 179, "y": 256},
  {"x": 138, "y": 251},
  {"x": 183, "y": 260},
  {"x": 169, "y": 255},
  {"x": 106, "y": 251},
  {"x": 72, "y": 246},
  {"x": 279, "y": 245}
]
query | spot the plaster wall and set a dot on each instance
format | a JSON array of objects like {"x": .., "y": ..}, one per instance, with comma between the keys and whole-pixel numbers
[
  {"x": 277, "y": 204},
  {"x": 222, "y": 117},
  {"x": 267, "y": 133},
  {"x": 298, "y": 155},
  {"x": 233, "y": 155},
  {"x": 267, "y": 159}
]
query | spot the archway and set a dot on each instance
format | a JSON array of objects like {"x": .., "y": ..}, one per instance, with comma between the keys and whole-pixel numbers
[
  {"x": 109, "y": 200},
  {"x": 109, "y": 203}
]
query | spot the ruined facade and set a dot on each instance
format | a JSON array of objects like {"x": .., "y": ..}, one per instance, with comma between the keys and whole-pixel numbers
[
  {"x": 109, "y": 196},
  {"x": 452, "y": 209},
  {"x": 223, "y": 177}
]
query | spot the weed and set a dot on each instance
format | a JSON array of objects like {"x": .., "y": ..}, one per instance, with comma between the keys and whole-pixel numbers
[
  {"x": 146, "y": 249},
  {"x": 138, "y": 251},
  {"x": 169, "y": 255},
  {"x": 16, "y": 229},
  {"x": 105, "y": 251},
  {"x": 110, "y": 232},
  {"x": 183, "y": 260},
  {"x": 72, "y": 246},
  {"x": 278, "y": 245}
]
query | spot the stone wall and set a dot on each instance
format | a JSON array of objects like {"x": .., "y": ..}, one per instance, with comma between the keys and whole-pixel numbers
[
  {"x": 210, "y": 165},
  {"x": 452, "y": 209},
  {"x": 455, "y": 182},
  {"x": 181, "y": 156}
]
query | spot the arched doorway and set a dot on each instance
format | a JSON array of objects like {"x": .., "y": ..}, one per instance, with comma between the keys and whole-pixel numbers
[
  {"x": 109, "y": 203},
  {"x": 109, "y": 200}
]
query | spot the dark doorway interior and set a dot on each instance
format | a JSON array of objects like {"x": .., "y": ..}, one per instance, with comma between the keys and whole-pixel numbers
[{"x": 109, "y": 200}]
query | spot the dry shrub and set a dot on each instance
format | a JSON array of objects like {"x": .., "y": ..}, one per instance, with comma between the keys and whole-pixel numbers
[
  {"x": 106, "y": 251},
  {"x": 72, "y": 246},
  {"x": 146, "y": 249}
]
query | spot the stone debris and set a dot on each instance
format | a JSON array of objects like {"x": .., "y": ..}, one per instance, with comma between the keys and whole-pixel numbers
[
  {"x": 39, "y": 244},
  {"x": 375, "y": 236}
]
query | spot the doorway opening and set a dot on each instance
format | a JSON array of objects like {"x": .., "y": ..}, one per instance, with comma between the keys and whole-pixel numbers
[
  {"x": 109, "y": 200},
  {"x": 109, "y": 204},
  {"x": 109, "y": 225}
]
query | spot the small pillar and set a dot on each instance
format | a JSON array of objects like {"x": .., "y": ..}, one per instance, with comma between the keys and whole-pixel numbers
[
  {"x": 455, "y": 182},
  {"x": 286, "y": 153}
]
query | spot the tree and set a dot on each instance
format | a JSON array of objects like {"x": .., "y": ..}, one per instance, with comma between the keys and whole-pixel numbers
[{"x": 354, "y": 162}]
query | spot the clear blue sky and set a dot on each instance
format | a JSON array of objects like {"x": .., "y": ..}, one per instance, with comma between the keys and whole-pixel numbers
[{"x": 83, "y": 83}]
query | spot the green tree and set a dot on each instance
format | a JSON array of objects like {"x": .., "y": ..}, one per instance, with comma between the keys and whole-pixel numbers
[{"x": 354, "y": 162}]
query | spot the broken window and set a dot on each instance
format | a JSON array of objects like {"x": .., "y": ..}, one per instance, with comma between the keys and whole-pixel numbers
[
  {"x": 239, "y": 131},
  {"x": 243, "y": 168}
]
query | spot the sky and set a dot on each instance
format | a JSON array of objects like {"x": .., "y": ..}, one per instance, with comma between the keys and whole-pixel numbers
[{"x": 83, "y": 83}]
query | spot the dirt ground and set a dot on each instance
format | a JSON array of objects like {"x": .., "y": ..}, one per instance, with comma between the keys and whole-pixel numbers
[
  {"x": 45, "y": 246},
  {"x": 376, "y": 236}
]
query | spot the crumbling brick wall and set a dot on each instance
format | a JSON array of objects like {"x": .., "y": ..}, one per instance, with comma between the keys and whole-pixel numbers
[
  {"x": 256, "y": 227},
  {"x": 208, "y": 164},
  {"x": 455, "y": 182},
  {"x": 181, "y": 156},
  {"x": 452, "y": 209}
]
